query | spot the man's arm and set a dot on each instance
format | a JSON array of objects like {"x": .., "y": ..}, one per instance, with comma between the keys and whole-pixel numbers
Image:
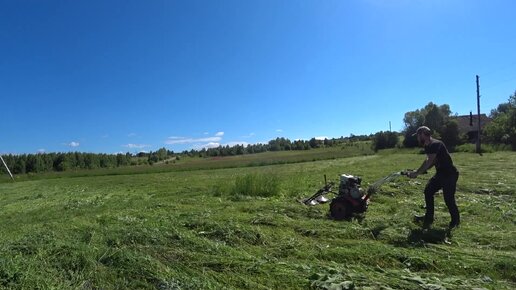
[{"x": 427, "y": 164}]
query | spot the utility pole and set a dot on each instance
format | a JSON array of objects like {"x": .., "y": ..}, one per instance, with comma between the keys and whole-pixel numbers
[{"x": 478, "y": 117}]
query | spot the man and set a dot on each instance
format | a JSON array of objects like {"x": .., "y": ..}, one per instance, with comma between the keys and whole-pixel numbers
[{"x": 445, "y": 177}]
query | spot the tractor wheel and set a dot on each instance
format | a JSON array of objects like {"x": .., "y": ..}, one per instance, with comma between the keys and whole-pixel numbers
[{"x": 341, "y": 209}]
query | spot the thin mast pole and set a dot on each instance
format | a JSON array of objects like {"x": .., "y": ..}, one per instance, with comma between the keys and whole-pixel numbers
[{"x": 9, "y": 171}]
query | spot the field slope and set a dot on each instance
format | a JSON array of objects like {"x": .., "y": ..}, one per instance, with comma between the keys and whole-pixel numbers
[{"x": 194, "y": 229}]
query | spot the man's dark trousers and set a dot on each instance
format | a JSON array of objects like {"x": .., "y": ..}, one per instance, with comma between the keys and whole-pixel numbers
[{"x": 448, "y": 183}]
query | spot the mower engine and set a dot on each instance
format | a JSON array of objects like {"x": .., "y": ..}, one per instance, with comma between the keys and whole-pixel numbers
[
  {"x": 350, "y": 185},
  {"x": 350, "y": 200}
]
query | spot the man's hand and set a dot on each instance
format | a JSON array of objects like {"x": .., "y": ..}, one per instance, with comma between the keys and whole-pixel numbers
[{"x": 412, "y": 174}]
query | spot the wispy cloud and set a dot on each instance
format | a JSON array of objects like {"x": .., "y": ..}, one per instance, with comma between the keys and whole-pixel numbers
[
  {"x": 249, "y": 136},
  {"x": 321, "y": 137},
  {"x": 72, "y": 144},
  {"x": 216, "y": 144},
  {"x": 206, "y": 142},
  {"x": 185, "y": 140},
  {"x": 41, "y": 151},
  {"x": 131, "y": 135},
  {"x": 279, "y": 130},
  {"x": 137, "y": 146}
]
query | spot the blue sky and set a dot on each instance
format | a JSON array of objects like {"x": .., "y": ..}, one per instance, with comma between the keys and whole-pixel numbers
[{"x": 118, "y": 76}]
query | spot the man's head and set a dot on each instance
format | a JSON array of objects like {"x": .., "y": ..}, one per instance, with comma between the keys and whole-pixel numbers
[{"x": 423, "y": 134}]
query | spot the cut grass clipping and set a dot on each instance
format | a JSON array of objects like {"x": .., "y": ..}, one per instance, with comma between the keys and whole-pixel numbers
[{"x": 256, "y": 185}]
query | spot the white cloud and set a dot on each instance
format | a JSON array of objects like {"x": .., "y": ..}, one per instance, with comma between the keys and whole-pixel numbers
[
  {"x": 219, "y": 134},
  {"x": 182, "y": 140},
  {"x": 321, "y": 137},
  {"x": 207, "y": 145},
  {"x": 41, "y": 151},
  {"x": 279, "y": 130},
  {"x": 132, "y": 146},
  {"x": 73, "y": 144}
]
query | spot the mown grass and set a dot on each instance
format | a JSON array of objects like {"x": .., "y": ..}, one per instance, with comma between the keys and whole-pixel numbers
[{"x": 188, "y": 230}]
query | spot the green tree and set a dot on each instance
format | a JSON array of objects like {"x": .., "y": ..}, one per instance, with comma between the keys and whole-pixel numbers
[
  {"x": 384, "y": 140},
  {"x": 503, "y": 127},
  {"x": 433, "y": 116},
  {"x": 79, "y": 160},
  {"x": 162, "y": 153},
  {"x": 314, "y": 143},
  {"x": 436, "y": 116},
  {"x": 450, "y": 134},
  {"x": 274, "y": 145},
  {"x": 60, "y": 163}
]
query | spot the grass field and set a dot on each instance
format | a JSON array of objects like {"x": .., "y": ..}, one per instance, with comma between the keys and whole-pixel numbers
[
  {"x": 192, "y": 226},
  {"x": 196, "y": 163}
]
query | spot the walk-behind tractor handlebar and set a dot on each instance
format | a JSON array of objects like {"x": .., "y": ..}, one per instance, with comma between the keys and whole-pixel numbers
[{"x": 350, "y": 198}]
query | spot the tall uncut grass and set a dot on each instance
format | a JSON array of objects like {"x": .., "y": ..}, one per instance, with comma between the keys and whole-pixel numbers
[{"x": 254, "y": 184}]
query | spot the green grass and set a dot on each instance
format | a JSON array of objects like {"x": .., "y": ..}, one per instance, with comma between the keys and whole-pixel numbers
[
  {"x": 485, "y": 148},
  {"x": 188, "y": 229},
  {"x": 264, "y": 185},
  {"x": 197, "y": 163}
]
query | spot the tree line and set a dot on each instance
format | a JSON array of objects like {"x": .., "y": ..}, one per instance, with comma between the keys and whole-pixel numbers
[
  {"x": 501, "y": 130},
  {"x": 45, "y": 162},
  {"x": 278, "y": 144}
]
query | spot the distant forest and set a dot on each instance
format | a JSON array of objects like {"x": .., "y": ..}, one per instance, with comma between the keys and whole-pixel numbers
[{"x": 46, "y": 162}]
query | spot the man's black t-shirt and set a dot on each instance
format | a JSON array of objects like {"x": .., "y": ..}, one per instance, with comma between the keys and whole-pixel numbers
[{"x": 443, "y": 161}]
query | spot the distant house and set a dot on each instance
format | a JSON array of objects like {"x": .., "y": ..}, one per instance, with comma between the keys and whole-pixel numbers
[{"x": 468, "y": 125}]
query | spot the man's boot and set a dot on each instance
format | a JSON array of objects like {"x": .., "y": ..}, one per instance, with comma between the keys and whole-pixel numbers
[{"x": 427, "y": 221}]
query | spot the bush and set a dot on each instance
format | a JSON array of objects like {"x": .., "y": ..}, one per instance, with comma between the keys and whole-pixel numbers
[
  {"x": 384, "y": 140},
  {"x": 263, "y": 185},
  {"x": 450, "y": 134}
]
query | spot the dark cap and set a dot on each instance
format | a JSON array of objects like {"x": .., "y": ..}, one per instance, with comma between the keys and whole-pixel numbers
[{"x": 422, "y": 129}]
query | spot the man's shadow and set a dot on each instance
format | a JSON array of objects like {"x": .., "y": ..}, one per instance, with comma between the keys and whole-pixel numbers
[{"x": 419, "y": 237}]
